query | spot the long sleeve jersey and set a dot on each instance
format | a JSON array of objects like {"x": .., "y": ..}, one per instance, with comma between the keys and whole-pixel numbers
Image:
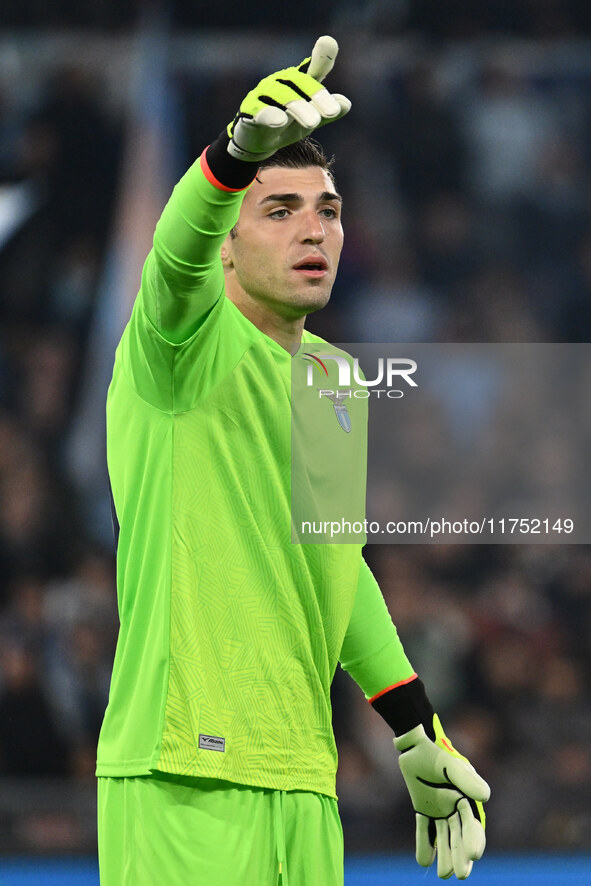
[{"x": 230, "y": 633}]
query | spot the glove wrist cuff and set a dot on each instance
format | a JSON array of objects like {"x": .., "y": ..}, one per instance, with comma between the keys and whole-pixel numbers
[
  {"x": 228, "y": 172},
  {"x": 405, "y": 706}
]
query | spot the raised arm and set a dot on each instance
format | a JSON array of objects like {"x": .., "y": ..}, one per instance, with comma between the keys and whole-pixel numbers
[{"x": 183, "y": 276}]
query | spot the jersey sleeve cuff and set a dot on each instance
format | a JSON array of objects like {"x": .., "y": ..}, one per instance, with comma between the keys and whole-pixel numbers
[
  {"x": 224, "y": 171},
  {"x": 404, "y": 706}
]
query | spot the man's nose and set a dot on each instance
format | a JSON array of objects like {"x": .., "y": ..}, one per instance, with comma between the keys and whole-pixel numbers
[{"x": 312, "y": 229}]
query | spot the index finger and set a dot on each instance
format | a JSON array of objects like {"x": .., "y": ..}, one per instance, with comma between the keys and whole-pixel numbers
[{"x": 323, "y": 57}]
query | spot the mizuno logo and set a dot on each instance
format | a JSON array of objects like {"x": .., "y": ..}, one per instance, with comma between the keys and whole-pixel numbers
[{"x": 212, "y": 743}]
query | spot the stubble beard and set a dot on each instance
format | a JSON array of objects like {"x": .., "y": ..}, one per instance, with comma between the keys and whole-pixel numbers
[{"x": 312, "y": 299}]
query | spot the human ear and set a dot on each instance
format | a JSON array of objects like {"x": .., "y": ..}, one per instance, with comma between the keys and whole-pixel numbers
[{"x": 226, "y": 253}]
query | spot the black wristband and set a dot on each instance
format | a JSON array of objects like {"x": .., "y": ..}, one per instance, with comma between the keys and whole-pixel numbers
[
  {"x": 233, "y": 173},
  {"x": 405, "y": 707}
]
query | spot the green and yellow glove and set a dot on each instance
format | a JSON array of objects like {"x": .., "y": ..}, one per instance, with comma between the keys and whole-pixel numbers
[
  {"x": 446, "y": 792},
  {"x": 287, "y": 106}
]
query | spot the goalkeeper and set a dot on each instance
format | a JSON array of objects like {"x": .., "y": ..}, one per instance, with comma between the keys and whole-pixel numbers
[{"x": 216, "y": 758}]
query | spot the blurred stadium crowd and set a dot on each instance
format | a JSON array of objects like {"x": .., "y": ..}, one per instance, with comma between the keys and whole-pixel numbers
[
  {"x": 456, "y": 19},
  {"x": 467, "y": 185}
]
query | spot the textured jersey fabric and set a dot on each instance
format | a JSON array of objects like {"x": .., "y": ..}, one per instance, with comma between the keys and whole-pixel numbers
[{"x": 230, "y": 633}]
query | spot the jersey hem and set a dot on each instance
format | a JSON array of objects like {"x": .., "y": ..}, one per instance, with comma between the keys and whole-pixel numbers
[{"x": 134, "y": 769}]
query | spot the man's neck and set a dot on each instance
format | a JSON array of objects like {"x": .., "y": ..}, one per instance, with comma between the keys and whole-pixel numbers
[{"x": 286, "y": 331}]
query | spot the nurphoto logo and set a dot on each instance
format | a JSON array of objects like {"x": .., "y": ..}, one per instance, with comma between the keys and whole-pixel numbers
[{"x": 390, "y": 370}]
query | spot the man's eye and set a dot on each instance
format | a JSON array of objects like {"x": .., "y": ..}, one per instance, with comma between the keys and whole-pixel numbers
[
  {"x": 329, "y": 212},
  {"x": 279, "y": 213}
]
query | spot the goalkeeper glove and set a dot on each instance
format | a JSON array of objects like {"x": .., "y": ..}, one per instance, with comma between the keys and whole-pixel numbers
[
  {"x": 442, "y": 784},
  {"x": 446, "y": 792},
  {"x": 287, "y": 106}
]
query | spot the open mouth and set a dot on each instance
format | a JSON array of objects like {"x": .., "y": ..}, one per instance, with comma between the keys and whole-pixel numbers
[{"x": 312, "y": 267}]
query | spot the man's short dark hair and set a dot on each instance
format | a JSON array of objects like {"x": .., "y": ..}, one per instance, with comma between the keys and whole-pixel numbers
[{"x": 299, "y": 155}]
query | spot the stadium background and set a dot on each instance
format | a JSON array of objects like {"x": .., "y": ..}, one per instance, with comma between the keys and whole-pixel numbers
[{"x": 466, "y": 172}]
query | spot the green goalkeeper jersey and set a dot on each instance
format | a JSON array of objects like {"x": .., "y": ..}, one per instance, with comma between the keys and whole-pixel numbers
[{"x": 230, "y": 633}]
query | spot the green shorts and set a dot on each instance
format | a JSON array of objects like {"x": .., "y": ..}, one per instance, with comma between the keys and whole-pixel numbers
[{"x": 168, "y": 830}]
